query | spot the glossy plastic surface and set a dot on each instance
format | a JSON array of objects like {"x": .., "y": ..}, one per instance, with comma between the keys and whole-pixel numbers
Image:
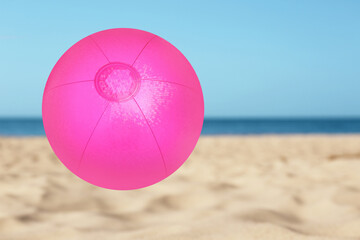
[{"x": 123, "y": 109}]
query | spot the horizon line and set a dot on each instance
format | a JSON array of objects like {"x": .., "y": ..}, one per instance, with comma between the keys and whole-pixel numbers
[{"x": 235, "y": 118}]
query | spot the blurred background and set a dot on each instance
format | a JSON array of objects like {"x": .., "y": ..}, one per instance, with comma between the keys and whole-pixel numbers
[{"x": 279, "y": 155}]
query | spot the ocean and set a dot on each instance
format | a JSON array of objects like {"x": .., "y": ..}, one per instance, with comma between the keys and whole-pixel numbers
[{"x": 34, "y": 127}]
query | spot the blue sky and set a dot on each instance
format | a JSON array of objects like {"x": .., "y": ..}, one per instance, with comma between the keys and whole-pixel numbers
[{"x": 253, "y": 58}]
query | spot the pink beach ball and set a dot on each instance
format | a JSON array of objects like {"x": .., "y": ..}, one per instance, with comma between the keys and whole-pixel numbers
[{"x": 123, "y": 109}]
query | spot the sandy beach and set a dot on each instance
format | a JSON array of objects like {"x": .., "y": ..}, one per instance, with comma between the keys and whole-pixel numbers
[{"x": 239, "y": 187}]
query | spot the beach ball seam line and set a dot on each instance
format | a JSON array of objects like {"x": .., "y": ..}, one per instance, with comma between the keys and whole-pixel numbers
[
  {"x": 100, "y": 49},
  {"x": 175, "y": 83},
  {"x": 142, "y": 50},
  {"x": 152, "y": 132},
  {"x": 92, "y": 133},
  {"x": 66, "y": 84}
]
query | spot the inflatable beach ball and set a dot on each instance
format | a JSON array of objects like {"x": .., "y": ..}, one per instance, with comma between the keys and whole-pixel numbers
[{"x": 123, "y": 109}]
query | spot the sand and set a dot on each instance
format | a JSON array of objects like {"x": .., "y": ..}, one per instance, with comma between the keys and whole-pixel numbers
[{"x": 261, "y": 187}]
